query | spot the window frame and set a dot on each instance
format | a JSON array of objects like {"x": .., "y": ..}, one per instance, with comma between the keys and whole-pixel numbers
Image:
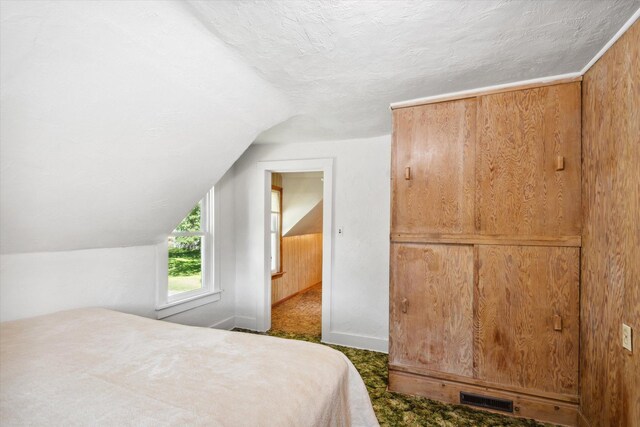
[
  {"x": 167, "y": 305},
  {"x": 279, "y": 270}
]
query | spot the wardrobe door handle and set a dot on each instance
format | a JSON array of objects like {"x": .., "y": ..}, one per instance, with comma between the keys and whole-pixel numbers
[
  {"x": 404, "y": 305},
  {"x": 407, "y": 173},
  {"x": 557, "y": 323},
  {"x": 559, "y": 163}
]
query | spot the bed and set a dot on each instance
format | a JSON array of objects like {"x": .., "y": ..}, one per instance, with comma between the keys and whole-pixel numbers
[{"x": 101, "y": 367}]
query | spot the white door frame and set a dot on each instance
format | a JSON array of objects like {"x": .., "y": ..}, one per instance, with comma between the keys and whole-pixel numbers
[{"x": 263, "y": 291}]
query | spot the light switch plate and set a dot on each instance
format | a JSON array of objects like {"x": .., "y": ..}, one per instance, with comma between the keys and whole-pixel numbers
[{"x": 626, "y": 337}]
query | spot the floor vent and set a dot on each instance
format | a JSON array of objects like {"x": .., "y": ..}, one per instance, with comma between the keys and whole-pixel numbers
[{"x": 486, "y": 402}]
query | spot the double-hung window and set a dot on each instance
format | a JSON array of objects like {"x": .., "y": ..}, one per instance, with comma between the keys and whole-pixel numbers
[
  {"x": 276, "y": 230},
  {"x": 190, "y": 258}
]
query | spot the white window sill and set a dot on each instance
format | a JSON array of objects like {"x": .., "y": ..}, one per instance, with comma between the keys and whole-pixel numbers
[{"x": 176, "y": 307}]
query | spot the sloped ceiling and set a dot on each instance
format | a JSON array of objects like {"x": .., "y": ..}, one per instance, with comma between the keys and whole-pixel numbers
[
  {"x": 301, "y": 191},
  {"x": 308, "y": 224},
  {"x": 342, "y": 62},
  {"x": 116, "y": 117}
]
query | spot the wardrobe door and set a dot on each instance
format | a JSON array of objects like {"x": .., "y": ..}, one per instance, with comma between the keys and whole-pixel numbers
[
  {"x": 431, "y": 298},
  {"x": 433, "y": 168},
  {"x": 527, "y": 317},
  {"x": 529, "y": 162}
]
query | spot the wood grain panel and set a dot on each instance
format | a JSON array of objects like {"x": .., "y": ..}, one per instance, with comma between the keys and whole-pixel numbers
[
  {"x": 520, "y": 291},
  {"x": 610, "y": 375},
  {"x": 437, "y": 143},
  {"x": 431, "y": 307},
  {"x": 302, "y": 265},
  {"x": 520, "y": 136},
  {"x": 276, "y": 179},
  {"x": 549, "y": 410}
]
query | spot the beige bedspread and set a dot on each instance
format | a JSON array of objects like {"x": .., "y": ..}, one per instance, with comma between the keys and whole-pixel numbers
[{"x": 101, "y": 367}]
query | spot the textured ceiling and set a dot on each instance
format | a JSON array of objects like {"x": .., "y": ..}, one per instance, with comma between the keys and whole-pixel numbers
[
  {"x": 342, "y": 62},
  {"x": 117, "y": 116}
]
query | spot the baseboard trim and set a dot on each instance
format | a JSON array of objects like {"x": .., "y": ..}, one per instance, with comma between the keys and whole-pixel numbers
[
  {"x": 293, "y": 295},
  {"x": 245, "y": 322},
  {"x": 525, "y": 406},
  {"x": 228, "y": 323},
  {"x": 363, "y": 342}
]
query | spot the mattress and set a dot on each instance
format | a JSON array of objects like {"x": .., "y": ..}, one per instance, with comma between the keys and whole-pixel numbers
[{"x": 101, "y": 367}]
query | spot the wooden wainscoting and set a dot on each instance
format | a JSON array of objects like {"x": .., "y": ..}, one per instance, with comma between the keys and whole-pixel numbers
[
  {"x": 302, "y": 266},
  {"x": 527, "y": 317},
  {"x": 426, "y": 189},
  {"x": 609, "y": 374},
  {"x": 485, "y": 236},
  {"x": 432, "y": 290}
]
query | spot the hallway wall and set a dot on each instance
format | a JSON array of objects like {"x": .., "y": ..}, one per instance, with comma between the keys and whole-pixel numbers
[{"x": 302, "y": 266}]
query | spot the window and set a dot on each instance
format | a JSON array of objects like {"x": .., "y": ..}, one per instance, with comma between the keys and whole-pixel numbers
[
  {"x": 276, "y": 230},
  {"x": 190, "y": 256}
]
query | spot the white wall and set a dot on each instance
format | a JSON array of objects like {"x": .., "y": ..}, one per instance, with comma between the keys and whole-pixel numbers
[
  {"x": 122, "y": 279},
  {"x": 360, "y": 293},
  {"x": 40, "y": 283}
]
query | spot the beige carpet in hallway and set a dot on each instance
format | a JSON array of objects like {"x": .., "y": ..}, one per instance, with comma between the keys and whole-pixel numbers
[{"x": 301, "y": 314}]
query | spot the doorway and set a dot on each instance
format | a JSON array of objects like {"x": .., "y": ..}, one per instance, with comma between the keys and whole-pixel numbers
[
  {"x": 295, "y": 289},
  {"x": 296, "y": 252}
]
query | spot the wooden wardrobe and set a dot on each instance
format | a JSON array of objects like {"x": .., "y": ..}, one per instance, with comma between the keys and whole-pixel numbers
[{"x": 485, "y": 251}]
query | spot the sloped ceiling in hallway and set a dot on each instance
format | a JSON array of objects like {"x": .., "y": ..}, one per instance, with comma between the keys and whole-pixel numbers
[
  {"x": 302, "y": 192},
  {"x": 310, "y": 223},
  {"x": 116, "y": 117},
  {"x": 342, "y": 62}
]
